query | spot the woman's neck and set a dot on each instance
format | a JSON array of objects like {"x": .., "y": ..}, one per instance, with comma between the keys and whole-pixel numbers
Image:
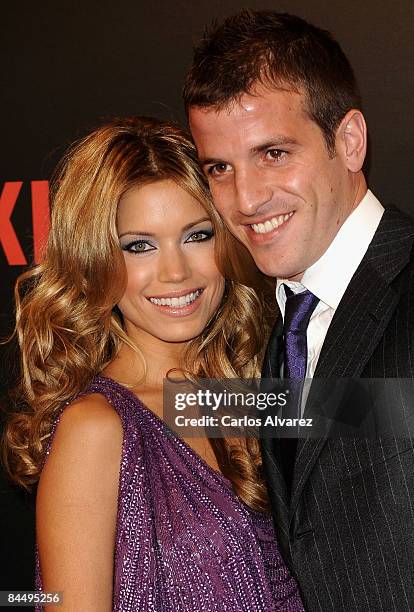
[{"x": 155, "y": 355}]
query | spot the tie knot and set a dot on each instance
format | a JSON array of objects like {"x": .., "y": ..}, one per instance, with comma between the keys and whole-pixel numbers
[{"x": 298, "y": 310}]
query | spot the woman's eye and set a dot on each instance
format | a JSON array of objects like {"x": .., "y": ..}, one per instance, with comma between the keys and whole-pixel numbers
[
  {"x": 200, "y": 236},
  {"x": 138, "y": 246}
]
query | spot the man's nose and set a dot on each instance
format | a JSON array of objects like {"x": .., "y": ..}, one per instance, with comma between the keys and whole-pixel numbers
[
  {"x": 173, "y": 266},
  {"x": 251, "y": 191}
]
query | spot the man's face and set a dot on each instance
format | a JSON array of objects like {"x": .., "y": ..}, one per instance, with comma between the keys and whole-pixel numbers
[{"x": 272, "y": 178}]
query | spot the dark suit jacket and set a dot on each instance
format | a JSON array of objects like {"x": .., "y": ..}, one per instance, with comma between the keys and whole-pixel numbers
[{"x": 347, "y": 531}]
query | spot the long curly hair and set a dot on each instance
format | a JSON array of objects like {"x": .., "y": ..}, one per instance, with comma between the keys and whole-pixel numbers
[{"x": 67, "y": 323}]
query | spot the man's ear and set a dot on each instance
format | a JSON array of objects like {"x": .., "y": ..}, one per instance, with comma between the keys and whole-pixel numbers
[{"x": 351, "y": 139}]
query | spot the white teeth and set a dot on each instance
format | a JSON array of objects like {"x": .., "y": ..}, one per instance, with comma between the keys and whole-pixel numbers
[
  {"x": 182, "y": 301},
  {"x": 270, "y": 224}
]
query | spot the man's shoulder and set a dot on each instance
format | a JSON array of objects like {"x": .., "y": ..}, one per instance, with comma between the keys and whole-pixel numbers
[
  {"x": 391, "y": 255},
  {"x": 401, "y": 232},
  {"x": 391, "y": 249},
  {"x": 398, "y": 230},
  {"x": 398, "y": 235},
  {"x": 396, "y": 222}
]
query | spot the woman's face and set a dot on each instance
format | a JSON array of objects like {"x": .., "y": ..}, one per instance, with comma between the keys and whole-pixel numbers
[{"x": 174, "y": 286}]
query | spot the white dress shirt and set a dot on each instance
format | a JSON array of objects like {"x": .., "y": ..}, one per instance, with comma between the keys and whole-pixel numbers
[{"x": 329, "y": 277}]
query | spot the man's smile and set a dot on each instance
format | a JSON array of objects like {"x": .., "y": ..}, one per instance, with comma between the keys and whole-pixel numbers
[{"x": 270, "y": 224}]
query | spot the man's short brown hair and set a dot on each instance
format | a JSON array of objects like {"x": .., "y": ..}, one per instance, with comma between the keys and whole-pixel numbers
[{"x": 277, "y": 50}]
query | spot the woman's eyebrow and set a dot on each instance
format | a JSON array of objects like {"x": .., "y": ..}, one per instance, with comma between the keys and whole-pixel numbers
[
  {"x": 135, "y": 233},
  {"x": 186, "y": 227},
  {"x": 149, "y": 234}
]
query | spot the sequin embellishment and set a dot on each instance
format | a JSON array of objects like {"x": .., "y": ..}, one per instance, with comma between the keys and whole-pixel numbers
[{"x": 184, "y": 540}]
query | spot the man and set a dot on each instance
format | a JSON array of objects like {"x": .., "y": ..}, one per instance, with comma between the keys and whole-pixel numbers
[{"x": 275, "y": 114}]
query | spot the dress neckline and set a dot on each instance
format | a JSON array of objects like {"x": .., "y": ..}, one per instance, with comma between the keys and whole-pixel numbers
[{"x": 215, "y": 473}]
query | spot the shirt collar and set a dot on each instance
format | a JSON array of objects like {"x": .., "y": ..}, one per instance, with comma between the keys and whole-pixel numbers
[{"x": 329, "y": 277}]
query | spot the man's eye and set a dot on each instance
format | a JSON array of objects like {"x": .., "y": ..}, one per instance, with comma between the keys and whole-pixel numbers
[
  {"x": 275, "y": 154},
  {"x": 217, "y": 169},
  {"x": 200, "y": 236},
  {"x": 138, "y": 246}
]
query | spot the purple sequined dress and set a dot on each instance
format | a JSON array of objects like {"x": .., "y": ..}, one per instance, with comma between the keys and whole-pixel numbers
[{"x": 184, "y": 540}]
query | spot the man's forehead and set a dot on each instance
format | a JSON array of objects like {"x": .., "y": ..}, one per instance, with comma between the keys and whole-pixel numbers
[
  {"x": 258, "y": 101},
  {"x": 255, "y": 116}
]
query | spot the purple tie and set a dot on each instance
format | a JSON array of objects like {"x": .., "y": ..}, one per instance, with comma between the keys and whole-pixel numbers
[{"x": 298, "y": 311}]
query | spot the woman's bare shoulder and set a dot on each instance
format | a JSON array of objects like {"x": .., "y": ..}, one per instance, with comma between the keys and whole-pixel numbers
[
  {"x": 87, "y": 442},
  {"x": 90, "y": 415},
  {"x": 77, "y": 504}
]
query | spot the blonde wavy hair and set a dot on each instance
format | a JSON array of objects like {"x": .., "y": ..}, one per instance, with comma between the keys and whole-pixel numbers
[{"x": 67, "y": 323}]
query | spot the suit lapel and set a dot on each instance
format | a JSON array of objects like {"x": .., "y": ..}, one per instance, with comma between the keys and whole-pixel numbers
[
  {"x": 273, "y": 356},
  {"x": 270, "y": 447},
  {"x": 358, "y": 324}
]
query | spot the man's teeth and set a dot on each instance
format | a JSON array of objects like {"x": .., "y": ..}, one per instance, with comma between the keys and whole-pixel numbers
[
  {"x": 271, "y": 224},
  {"x": 182, "y": 301}
]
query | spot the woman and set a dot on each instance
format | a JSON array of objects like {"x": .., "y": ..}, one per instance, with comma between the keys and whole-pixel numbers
[{"x": 130, "y": 517}]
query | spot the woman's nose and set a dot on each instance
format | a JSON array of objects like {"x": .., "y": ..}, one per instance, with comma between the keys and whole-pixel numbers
[{"x": 173, "y": 266}]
